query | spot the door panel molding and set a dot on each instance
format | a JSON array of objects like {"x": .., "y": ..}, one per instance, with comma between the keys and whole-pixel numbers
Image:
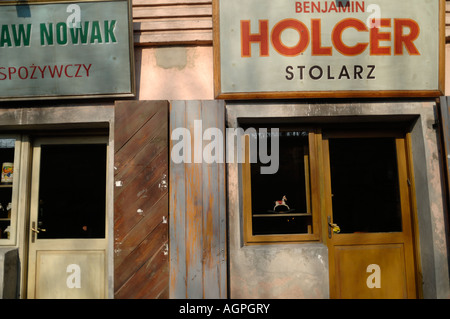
[
  {"x": 388, "y": 270},
  {"x": 82, "y": 271}
]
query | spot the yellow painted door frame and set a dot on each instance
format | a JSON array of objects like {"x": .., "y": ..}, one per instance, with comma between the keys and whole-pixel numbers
[{"x": 379, "y": 264}]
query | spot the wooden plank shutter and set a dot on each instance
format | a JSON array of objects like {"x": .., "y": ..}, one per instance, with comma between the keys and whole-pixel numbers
[
  {"x": 197, "y": 208},
  {"x": 141, "y": 264}
]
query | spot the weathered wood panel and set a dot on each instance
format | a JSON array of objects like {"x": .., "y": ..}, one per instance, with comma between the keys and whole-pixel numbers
[
  {"x": 141, "y": 264},
  {"x": 194, "y": 211},
  {"x": 162, "y": 22},
  {"x": 177, "y": 210},
  {"x": 214, "y": 220},
  {"x": 197, "y": 206}
]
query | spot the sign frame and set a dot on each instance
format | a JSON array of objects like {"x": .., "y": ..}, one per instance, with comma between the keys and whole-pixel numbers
[
  {"x": 132, "y": 80},
  {"x": 219, "y": 93}
]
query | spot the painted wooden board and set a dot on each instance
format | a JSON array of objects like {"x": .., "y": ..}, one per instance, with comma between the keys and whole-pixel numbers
[
  {"x": 148, "y": 206},
  {"x": 197, "y": 208}
]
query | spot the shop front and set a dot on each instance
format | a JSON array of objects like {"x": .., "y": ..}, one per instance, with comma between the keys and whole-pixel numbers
[
  {"x": 269, "y": 149},
  {"x": 351, "y": 206},
  {"x": 63, "y": 66},
  {"x": 55, "y": 231},
  {"x": 349, "y": 225}
]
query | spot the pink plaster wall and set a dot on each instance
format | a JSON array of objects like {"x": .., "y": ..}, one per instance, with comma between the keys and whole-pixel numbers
[{"x": 174, "y": 73}]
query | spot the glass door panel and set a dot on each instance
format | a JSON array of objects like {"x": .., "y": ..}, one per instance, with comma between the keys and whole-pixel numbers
[
  {"x": 72, "y": 191},
  {"x": 364, "y": 183}
]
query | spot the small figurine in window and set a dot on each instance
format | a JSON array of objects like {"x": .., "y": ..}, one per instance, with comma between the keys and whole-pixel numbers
[{"x": 281, "y": 202}]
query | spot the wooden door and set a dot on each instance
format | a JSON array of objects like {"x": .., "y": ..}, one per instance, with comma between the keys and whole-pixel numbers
[
  {"x": 370, "y": 229},
  {"x": 141, "y": 263},
  {"x": 67, "y": 234}
]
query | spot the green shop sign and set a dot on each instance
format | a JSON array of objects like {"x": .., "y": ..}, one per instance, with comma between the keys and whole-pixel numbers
[{"x": 66, "y": 50}]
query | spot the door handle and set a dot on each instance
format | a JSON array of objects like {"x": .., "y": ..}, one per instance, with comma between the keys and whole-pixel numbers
[
  {"x": 35, "y": 230},
  {"x": 332, "y": 228}
]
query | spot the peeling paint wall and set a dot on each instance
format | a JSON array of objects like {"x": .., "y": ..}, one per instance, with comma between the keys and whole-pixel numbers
[
  {"x": 290, "y": 271},
  {"x": 174, "y": 73}
]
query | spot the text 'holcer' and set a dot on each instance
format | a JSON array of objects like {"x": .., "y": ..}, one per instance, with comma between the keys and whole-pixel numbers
[{"x": 402, "y": 34}]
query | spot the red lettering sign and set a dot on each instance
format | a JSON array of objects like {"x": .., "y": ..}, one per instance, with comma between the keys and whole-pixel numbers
[
  {"x": 405, "y": 32},
  {"x": 298, "y": 26},
  {"x": 262, "y": 38}
]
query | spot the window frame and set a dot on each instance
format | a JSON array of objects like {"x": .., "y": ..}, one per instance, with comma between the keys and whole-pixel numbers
[
  {"x": 400, "y": 137},
  {"x": 15, "y": 189},
  {"x": 315, "y": 190}
]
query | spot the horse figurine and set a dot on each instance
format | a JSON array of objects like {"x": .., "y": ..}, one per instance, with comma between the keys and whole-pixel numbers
[{"x": 281, "y": 202}]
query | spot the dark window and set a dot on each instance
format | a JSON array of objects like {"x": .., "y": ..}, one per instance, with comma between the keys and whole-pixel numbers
[
  {"x": 72, "y": 190},
  {"x": 289, "y": 185},
  {"x": 364, "y": 184}
]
